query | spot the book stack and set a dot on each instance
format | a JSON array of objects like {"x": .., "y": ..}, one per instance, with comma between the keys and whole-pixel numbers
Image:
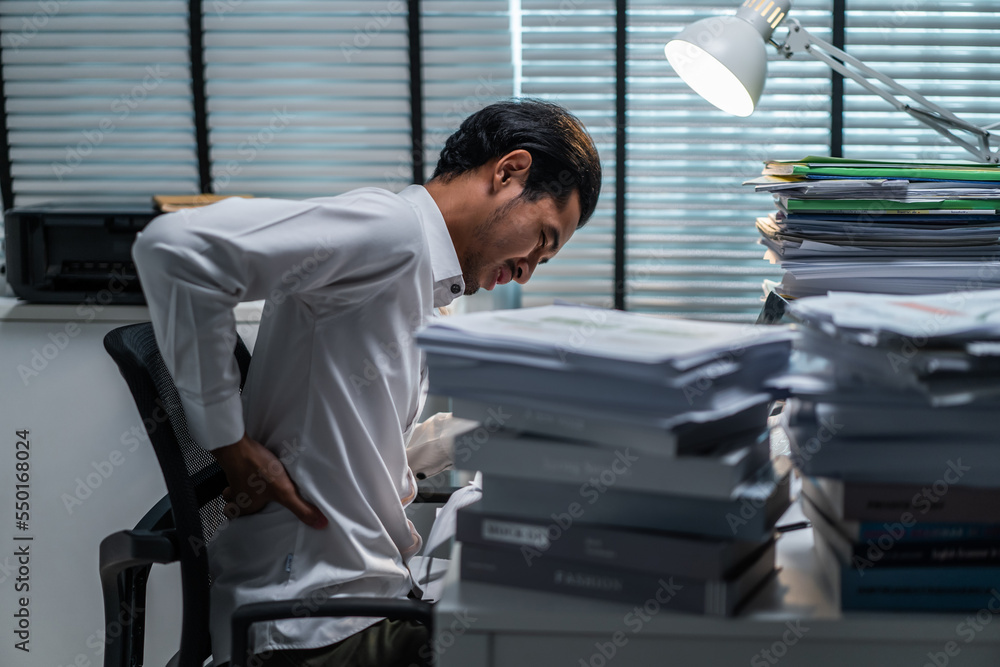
[
  {"x": 892, "y": 423},
  {"x": 624, "y": 457},
  {"x": 893, "y": 227}
]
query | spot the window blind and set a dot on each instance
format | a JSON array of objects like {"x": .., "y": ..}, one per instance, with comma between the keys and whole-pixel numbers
[
  {"x": 310, "y": 97},
  {"x": 468, "y": 64},
  {"x": 98, "y": 100},
  {"x": 946, "y": 51},
  {"x": 568, "y": 57},
  {"x": 307, "y": 98},
  {"x": 690, "y": 241},
  {"x": 691, "y": 244}
]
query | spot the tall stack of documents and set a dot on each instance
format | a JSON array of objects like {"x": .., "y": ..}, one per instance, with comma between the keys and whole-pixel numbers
[
  {"x": 893, "y": 425},
  {"x": 621, "y": 454},
  {"x": 893, "y": 227}
]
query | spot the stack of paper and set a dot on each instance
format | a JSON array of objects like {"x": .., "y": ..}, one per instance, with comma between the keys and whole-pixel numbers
[
  {"x": 892, "y": 422},
  {"x": 616, "y": 450},
  {"x": 881, "y": 226}
]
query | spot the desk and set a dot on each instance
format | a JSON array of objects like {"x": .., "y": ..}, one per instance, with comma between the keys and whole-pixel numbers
[{"x": 793, "y": 619}]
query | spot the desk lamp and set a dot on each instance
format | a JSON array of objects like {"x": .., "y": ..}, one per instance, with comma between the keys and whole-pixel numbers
[{"x": 723, "y": 59}]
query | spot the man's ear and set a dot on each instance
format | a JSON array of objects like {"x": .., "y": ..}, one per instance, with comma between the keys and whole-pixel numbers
[{"x": 511, "y": 170}]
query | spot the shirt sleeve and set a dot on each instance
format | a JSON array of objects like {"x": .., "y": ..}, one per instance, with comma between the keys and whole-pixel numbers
[
  {"x": 196, "y": 265},
  {"x": 431, "y": 447}
]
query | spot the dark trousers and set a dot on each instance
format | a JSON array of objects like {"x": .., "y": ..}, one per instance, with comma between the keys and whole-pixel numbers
[{"x": 385, "y": 644}]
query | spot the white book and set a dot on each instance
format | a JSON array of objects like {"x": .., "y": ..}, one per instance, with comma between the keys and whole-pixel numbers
[
  {"x": 601, "y": 341},
  {"x": 599, "y": 468},
  {"x": 653, "y": 433}
]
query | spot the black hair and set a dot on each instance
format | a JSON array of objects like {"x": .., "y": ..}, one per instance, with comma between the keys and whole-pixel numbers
[{"x": 563, "y": 156}]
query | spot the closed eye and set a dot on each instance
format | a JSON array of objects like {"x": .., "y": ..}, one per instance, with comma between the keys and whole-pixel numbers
[{"x": 542, "y": 246}]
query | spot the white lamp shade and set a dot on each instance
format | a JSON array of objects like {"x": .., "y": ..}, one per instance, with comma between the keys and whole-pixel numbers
[{"x": 723, "y": 59}]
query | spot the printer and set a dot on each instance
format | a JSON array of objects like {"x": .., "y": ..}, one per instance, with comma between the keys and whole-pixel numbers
[{"x": 74, "y": 253}]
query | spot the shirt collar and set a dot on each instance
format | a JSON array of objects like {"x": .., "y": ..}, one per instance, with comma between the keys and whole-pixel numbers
[{"x": 448, "y": 282}]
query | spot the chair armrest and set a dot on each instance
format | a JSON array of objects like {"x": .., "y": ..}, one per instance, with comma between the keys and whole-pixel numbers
[
  {"x": 125, "y": 558},
  {"x": 128, "y": 548},
  {"x": 159, "y": 516},
  {"x": 393, "y": 609}
]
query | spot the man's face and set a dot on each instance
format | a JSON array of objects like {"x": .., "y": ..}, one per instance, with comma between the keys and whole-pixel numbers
[{"x": 515, "y": 238}]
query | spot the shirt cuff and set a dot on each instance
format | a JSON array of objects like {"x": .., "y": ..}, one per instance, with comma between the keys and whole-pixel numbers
[
  {"x": 431, "y": 447},
  {"x": 216, "y": 425}
]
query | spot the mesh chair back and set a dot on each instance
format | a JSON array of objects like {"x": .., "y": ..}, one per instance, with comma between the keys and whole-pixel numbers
[{"x": 193, "y": 479}]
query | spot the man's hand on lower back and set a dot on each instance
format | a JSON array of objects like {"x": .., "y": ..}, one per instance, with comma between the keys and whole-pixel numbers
[{"x": 256, "y": 477}]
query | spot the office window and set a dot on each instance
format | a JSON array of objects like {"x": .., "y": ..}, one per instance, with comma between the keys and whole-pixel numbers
[
  {"x": 312, "y": 97},
  {"x": 947, "y": 51},
  {"x": 98, "y": 100},
  {"x": 306, "y": 99},
  {"x": 467, "y": 64},
  {"x": 690, "y": 241},
  {"x": 568, "y": 56}
]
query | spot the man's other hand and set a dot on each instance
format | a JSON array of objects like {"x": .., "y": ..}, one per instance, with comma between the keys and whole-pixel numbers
[{"x": 256, "y": 477}]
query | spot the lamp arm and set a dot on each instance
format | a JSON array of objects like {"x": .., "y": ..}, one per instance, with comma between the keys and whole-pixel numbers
[{"x": 800, "y": 40}]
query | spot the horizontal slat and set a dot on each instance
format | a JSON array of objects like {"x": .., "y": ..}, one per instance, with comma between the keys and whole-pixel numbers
[
  {"x": 56, "y": 22},
  {"x": 344, "y": 42},
  {"x": 103, "y": 153},
  {"x": 317, "y": 87},
  {"x": 104, "y": 7},
  {"x": 140, "y": 140},
  {"x": 111, "y": 90},
  {"x": 97, "y": 185},
  {"x": 27, "y": 42},
  {"x": 334, "y": 25},
  {"x": 348, "y": 76},
  {"x": 102, "y": 171}
]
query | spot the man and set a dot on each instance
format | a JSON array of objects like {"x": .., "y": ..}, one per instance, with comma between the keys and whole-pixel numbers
[{"x": 335, "y": 388}]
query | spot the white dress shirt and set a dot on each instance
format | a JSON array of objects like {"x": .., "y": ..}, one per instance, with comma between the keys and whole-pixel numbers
[{"x": 333, "y": 390}]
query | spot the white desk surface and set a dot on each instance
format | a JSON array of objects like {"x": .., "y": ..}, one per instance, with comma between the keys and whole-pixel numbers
[
  {"x": 12, "y": 309},
  {"x": 489, "y": 625}
]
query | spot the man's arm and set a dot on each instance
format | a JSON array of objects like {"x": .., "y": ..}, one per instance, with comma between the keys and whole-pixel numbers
[{"x": 197, "y": 265}]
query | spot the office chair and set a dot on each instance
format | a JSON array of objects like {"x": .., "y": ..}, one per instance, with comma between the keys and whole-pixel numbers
[{"x": 178, "y": 527}]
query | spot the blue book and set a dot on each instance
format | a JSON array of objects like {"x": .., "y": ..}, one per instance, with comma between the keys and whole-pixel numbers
[{"x": 865, "y": 584}]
